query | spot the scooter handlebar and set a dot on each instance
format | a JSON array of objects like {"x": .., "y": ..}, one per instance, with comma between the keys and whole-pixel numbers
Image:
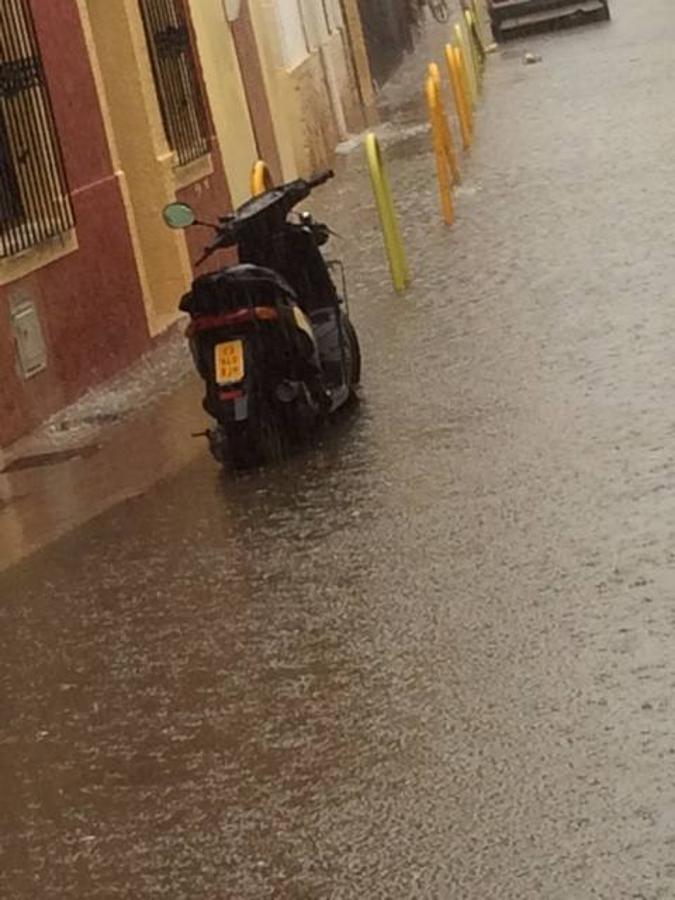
[
  {"x": 320, "y": 179},
  {"x": 230, "y": 229}
]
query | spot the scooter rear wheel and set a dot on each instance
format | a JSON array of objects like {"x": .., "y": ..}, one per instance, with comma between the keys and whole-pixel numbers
[{"x": 256, "y": 442}]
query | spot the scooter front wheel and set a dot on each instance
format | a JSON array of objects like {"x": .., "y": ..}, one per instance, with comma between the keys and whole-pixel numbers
[
  {"x": 439, "y": 10},
  {"x": 353, "y": 353}
]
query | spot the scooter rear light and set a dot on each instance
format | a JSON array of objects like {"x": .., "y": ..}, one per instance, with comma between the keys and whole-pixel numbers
[
  {"x": 230, "y": 395},
  {"x": 237, "y": 317},
  {"x": 266, "y": 313}
]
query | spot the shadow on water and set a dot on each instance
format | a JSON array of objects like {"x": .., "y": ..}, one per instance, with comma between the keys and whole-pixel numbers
[{"x": 326, "y": 467}]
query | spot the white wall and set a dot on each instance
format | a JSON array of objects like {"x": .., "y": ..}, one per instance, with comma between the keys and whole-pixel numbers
[
  {"x": 291, "y": 33},
  {"x": 303, "y": 26},
  {"x": 334, "y": 14},
  {"x": 316, "y": 27}
]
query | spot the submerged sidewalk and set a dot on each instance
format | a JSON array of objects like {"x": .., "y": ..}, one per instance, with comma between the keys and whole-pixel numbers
[
  {"x": 124, "y": 436},
  {"x": 534, "y": 169}
]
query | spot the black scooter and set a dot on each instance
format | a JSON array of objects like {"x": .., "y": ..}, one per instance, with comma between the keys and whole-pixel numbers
[{"x": 271, "y": 337}]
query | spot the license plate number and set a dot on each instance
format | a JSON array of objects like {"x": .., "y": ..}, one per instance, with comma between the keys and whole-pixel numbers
[{"x": 230, "y": 362}]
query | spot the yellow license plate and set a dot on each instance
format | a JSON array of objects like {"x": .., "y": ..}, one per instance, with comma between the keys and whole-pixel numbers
[{"x": 230, "y": 362}]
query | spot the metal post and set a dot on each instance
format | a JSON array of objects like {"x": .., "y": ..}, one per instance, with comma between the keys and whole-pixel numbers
[
  {"x": 385, "y": 205},
  {"x": 472, "y": 42},
  {"x": 443, "y": 170},
  {"x": 467, "y": 66},
  {"x": 448, "y": 143},
  {"x": 261, "y": 178},
  {"x": 461, "y": 101}
]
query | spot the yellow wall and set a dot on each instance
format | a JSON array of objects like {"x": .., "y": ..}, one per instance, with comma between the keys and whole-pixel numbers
[
  {"x": 359, "y": 51},
  {"x": 284, "y": 102},
  {"x": 305, "y": 119},
  {"x": 128, "y": 89},
  {"x": 316, "y": 133},
  {"x": 220, "y": 66},
  {"x": 316, "y": 123}
]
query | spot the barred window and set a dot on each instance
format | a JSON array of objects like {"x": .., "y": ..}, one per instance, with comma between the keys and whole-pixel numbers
[
  {"x": 175, "y": 71},
  {"x": 34, "y": 200}
]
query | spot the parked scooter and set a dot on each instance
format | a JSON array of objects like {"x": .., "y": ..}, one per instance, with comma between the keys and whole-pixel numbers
[{"x": 271, "y": 337}]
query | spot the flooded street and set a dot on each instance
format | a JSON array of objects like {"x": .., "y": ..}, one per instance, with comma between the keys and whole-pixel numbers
[{"x": 432, "y": 657}]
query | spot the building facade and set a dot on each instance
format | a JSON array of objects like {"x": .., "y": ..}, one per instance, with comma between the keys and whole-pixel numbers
[
  {"x": 389, "y": 30},
  {"x": 323, "y": 80},
  {"x": 70, "y": 314},
  {"x": 103, "y": 120},
  {"x": 286, "y": 81},
  {"x": 109, "y": 109}
]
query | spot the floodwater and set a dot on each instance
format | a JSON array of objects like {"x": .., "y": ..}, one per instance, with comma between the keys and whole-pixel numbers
[{"x": 433, "y": 656}]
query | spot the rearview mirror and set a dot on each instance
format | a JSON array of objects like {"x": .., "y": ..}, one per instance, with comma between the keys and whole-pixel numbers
[{"x": 179, "y": 215}]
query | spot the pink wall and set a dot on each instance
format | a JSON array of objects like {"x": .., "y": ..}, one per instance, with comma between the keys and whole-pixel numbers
[{"x": 90, "y": 302}]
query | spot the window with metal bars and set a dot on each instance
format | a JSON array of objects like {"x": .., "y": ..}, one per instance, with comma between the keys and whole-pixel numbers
[
  {"x": 34, "y": 200},
  {"x": 175, "y": 70}
]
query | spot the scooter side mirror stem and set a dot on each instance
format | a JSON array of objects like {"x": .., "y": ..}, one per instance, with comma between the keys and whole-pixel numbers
[{"x": 181, "y": 216}]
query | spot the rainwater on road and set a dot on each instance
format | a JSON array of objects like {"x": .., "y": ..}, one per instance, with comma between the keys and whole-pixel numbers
[{"x": 433, "y": 657}]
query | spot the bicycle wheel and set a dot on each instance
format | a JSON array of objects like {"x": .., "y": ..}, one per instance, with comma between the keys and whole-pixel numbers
[{"x": 439, "y": 10}]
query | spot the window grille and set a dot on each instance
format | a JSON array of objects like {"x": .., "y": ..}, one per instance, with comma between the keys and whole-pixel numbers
[
  {"x": 175, "y": 71},
  {"x": 35, "y": 203}
]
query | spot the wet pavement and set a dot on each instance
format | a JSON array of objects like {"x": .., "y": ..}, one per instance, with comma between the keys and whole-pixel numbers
[{"x": 433, "y": 657}]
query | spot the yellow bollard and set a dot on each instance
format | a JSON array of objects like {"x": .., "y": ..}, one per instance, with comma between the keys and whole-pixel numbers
[
  {"x": 475, "y": 47},
  {"x": 467, "y": 65},
  {"x": 434, "y": 72},
  {"x": 475, "y": 31},
  {"x": 398, "y": 263},
  {"x": 448, "y": 143},
  {"x": 479, "y": 22},
  {"x": 464, "y": 81},
  {"x": 443, "y": 169},
  {"x": 461, "y": 101},
  {"x": 472, "y": 52},
  {"x": 261, "y": 178}
]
